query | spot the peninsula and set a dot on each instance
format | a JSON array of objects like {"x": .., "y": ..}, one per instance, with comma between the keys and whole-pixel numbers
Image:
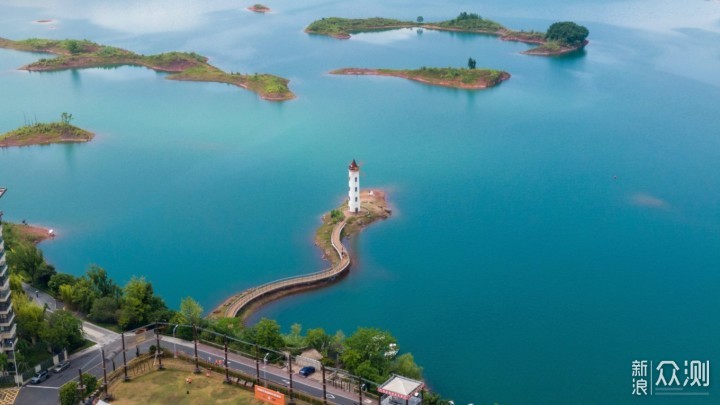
[
  {"x": 45, "y": 133},
  {"x": 472, "y": 79},
  {"x": 565, "y": 38},
  {"x": 78, "y": 54},
  {"x": 28, "y": 233},
  {"x": 259, "y": 8},
  {"x": 336, "y": 224}
]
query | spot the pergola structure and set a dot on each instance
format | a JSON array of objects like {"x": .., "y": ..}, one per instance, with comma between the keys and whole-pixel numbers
[{"x": 400, "y": 390}]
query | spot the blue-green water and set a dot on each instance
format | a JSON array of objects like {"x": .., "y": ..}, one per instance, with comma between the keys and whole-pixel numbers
[{"x": 516, "y": 268}]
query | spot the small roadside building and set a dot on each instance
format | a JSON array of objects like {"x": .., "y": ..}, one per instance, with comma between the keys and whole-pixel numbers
[{"x": 399, "y": 390}]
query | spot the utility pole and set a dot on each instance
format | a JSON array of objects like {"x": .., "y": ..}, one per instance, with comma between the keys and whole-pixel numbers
[
  {"x": 227, "y": 372},
  {"x": 122, "y": 336},
  {"x": 81, "y": 390},
  {"x": 105, "y": 384},
  {"x": 158, "y": 353},
  {"x": 322, "y": 367},
  {"x": 257, "y": 364},
  {"x": 290, "y": 372},
  {"x": 197, "y": 364}
]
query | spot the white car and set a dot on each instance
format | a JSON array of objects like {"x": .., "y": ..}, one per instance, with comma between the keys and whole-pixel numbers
[{"x": 61, "y": 366}]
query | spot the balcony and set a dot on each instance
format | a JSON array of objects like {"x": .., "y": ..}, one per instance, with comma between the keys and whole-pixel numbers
[
  {"x": 5, "y": 284},
  {"x": 9, "y": 344},
  {"x": 4, "y": 294},
  {"x": 5, "y": 307},
  {"x": 8, "y": 332},
  {"x": 6, "y": 320},
  {"x": 3, "y": 268}
]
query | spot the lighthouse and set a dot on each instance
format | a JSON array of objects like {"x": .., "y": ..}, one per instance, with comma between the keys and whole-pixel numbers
[{"x": 354, "y": 187}]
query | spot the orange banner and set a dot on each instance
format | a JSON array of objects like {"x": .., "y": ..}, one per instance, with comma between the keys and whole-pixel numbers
[{"x": 270, "y": 396}]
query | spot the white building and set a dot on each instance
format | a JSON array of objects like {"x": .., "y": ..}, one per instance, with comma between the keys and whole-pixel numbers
[
  {"x": 354, "y": 187},
  {"x": 8, "y": 333}
]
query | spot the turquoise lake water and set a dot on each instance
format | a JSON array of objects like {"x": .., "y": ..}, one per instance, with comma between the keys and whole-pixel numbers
[{"x": 546, "y": 232}]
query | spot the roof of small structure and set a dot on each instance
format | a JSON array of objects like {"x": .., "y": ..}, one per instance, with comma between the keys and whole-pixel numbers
[
  {"x": 312, "y": 354},
  {"x": 401, "y": 387},
  {"x": 3, "y": 189},
  {"x": 354, "y": 166}
]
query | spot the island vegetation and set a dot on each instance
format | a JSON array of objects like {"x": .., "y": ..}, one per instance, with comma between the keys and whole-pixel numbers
[
  {"x": 374, "y": 207},
  {"x": 460, "y": 78},
  {"x": 186, "y": 66},
  {"x": 46, "y": 133},
  {"x": 562, "y": 38},
  {"x": 259, "y": 8}
]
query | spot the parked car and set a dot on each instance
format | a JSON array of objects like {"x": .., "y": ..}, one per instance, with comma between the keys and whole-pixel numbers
[
  {"x": 61, "y": 366},
  {"x": 306, "y": 371},
  {"x": 40, "y": 377}
]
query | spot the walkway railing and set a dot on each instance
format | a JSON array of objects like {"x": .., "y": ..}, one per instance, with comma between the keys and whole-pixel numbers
[{"x": 249, "y": 296}]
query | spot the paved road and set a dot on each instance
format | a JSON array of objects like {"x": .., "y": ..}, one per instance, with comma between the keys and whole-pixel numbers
[
  {"x": 89, "y": 360},
  {"x": 93, "y": 332},
  {"x": 46, "y": 393}
]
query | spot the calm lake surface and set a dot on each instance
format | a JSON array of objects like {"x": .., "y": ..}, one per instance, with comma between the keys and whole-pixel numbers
[{"x": 516, "y": 267}]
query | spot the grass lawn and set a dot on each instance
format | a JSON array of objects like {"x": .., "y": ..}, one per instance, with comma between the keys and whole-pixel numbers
[{"x": 169, "y": 387}]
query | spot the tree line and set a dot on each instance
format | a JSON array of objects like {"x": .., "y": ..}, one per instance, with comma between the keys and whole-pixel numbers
[{"x": 369, "y": 352}]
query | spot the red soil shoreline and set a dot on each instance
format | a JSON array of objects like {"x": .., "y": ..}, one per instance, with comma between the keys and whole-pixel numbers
[{"x": 443, "y": 83}]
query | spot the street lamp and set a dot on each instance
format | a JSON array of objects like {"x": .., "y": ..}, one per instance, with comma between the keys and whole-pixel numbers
[
  {"x": 265, "y": 367},
  {"x": 174, "y": 343}
]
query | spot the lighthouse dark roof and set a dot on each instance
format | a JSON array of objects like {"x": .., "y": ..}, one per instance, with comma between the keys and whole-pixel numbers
[{"x": 353, "y": 166}]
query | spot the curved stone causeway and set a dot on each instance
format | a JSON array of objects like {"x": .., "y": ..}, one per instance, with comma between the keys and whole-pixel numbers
[{"x": 238, "y": 303}]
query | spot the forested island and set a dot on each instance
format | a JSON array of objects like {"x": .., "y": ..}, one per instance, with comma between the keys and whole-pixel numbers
[
  {"x": 78, "y": 54},
  {"x": 448, "y": 77},
  {"x": 46, "y": 133},
  {"x": 561, "y": 37}
]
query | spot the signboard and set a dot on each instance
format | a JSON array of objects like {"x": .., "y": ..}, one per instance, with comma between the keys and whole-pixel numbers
[{"x": 269, "y": 396}]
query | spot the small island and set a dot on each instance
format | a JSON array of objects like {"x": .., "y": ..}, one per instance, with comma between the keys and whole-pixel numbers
[
  {"x": 561, "y": 38},
  {"x": 259, "y": 8},
  {"x": 46, "y": 133},
  {"x": 472, "y": 79},
  {"x": 78, "y": 54}
]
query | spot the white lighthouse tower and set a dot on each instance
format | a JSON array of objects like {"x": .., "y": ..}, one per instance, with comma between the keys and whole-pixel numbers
[{"x": 354, "y": 187}]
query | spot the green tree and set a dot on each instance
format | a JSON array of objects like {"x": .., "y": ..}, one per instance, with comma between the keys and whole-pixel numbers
[
  {"x": 405, "y": 366},
  {"x": 104, "y": 310},
  {"x": 420, "y": 19},
  {"x": 567, "y": 32},
  {"x": 73, "y": 46},
  {"x": 65, "y": 118},
  {"x": 84, "y": 294},
  {"x": 471, "y": 63},
  {"x": 267, "y": 334},
  {"x": 26, "y": 260},
  {"x": 59, "y": 279},
  {"x": 30, "y": 318},
  {"x": 191, "y": 312},
  {"x": 90, "y": 383},
  {"x": 61, "y": 331},
  {"x": 16, "y": 284},
  {"x": 4, "y": 361},
  {"x": 336, "y": 215},
  {"x": 66, "y": 294},
  {"x": 139, "y": 305},
  {"x": 318, "y": 340},
  {"x": 69, "y": 394},
  {"x": 103, "y": 285},
  {"x": 368, "y": 345}
]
